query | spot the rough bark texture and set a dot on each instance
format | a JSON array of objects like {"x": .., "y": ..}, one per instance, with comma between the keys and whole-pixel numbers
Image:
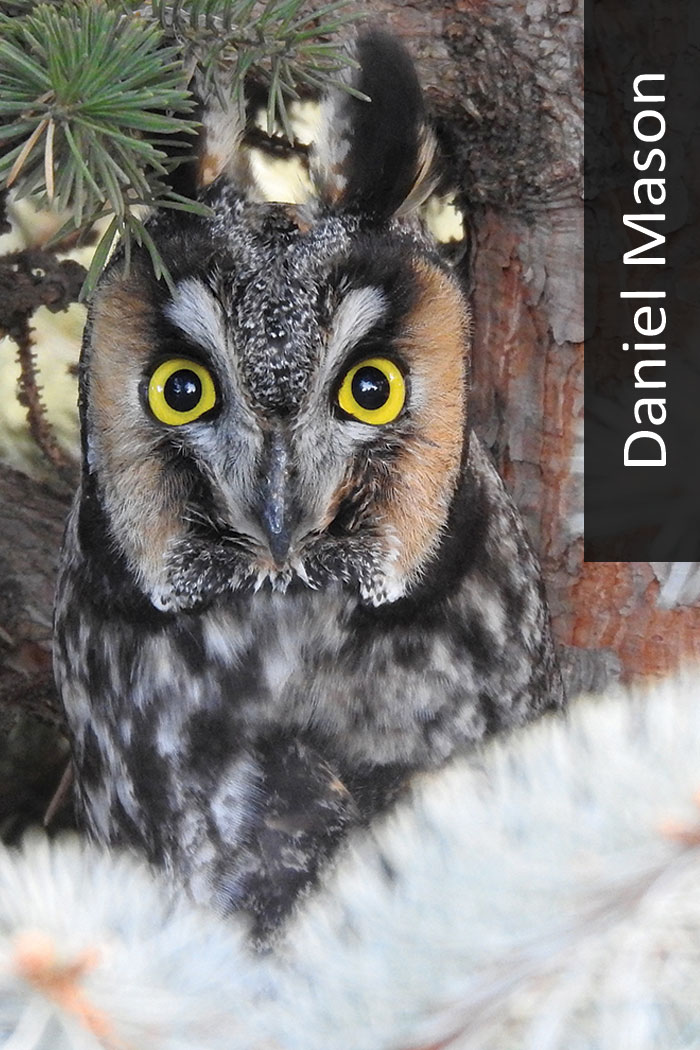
[
  {"x": 504, "y": 82},
  {"x": 33, "y": 753}
]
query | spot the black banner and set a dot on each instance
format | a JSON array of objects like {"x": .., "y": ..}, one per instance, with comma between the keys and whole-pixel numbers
[{"x": 642, "y": 310}]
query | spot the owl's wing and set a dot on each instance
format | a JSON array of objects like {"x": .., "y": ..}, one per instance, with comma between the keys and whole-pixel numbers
[{"x": 303, "y": 811}]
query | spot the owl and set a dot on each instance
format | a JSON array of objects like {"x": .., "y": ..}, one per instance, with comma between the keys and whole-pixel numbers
[{"x": 291, "y": 578}]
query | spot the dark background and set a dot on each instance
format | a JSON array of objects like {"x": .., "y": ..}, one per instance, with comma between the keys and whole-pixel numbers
[{"x": 641, "y": 513}]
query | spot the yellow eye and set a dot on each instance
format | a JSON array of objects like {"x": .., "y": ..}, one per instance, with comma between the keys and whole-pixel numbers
[
  {"x": 373, "y": 391},
  {"x": 180, "y": 391}
]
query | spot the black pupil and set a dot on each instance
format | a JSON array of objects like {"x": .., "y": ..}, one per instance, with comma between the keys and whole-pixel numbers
[
  {"x": 183, "y": 390},
  {"x": 370, "y": 388}
]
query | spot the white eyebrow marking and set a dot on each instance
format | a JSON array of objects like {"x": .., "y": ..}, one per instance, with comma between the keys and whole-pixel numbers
[
  {"x": 355, "y": 317},
  {"x": 197, "y": 314}
]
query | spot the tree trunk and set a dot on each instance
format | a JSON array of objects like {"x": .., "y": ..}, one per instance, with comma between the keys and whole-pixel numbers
[{"x": 33, "y": 753}]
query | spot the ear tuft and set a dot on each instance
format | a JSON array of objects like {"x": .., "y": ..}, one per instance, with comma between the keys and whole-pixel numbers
[
  {"x": 375, "y": 157},
  {"x": 220, "y": 145},
  {"x": 217, "y": 149}
]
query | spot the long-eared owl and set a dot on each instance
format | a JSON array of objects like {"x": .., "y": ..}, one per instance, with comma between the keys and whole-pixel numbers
[{"x": 291, "y": 578}]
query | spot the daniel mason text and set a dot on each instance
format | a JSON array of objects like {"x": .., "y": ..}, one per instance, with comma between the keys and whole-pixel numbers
[{"x": 650, "y": 315}]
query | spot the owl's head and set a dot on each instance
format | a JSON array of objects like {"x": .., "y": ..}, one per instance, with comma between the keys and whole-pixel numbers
[{"x": 294, "y": 411}]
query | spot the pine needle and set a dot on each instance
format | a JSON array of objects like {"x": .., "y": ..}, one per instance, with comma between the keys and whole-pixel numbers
[
  {"x": 48, "y": 161},
  {"x": 26, "y": 150}
]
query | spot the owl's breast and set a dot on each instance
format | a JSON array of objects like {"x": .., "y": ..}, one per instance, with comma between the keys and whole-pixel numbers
[
  {"x": 410, "y": 682},
  {"x": 408, "y": 685},
  {"x": 193, "y": 731}
]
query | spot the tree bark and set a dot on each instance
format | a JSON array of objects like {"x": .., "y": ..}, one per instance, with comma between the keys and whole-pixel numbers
[{"x": 33, "y": 752}]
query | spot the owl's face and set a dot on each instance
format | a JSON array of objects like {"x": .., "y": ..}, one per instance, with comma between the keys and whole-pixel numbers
[{"x": 293, "y": 410}]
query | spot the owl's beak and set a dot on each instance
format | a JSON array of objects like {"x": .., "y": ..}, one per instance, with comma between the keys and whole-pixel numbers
[{"x": 277, "y": 511}]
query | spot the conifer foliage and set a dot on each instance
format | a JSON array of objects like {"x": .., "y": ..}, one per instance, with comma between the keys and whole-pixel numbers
[{"x": 96, "y": 99}]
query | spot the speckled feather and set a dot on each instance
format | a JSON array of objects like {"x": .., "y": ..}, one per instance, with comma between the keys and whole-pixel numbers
[{"x": 241, "y": 693}]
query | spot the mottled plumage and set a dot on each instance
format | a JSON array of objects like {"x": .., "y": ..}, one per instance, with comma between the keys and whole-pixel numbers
[{"x": 270, "y": 616}]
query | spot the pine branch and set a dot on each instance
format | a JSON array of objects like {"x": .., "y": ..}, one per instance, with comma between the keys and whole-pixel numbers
[
  {"x": 30, "y": 396},
  {"x": 29, "y": 279},
  {"x": 86, "y": 94},
  {"x": 93, "y": 96}
]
